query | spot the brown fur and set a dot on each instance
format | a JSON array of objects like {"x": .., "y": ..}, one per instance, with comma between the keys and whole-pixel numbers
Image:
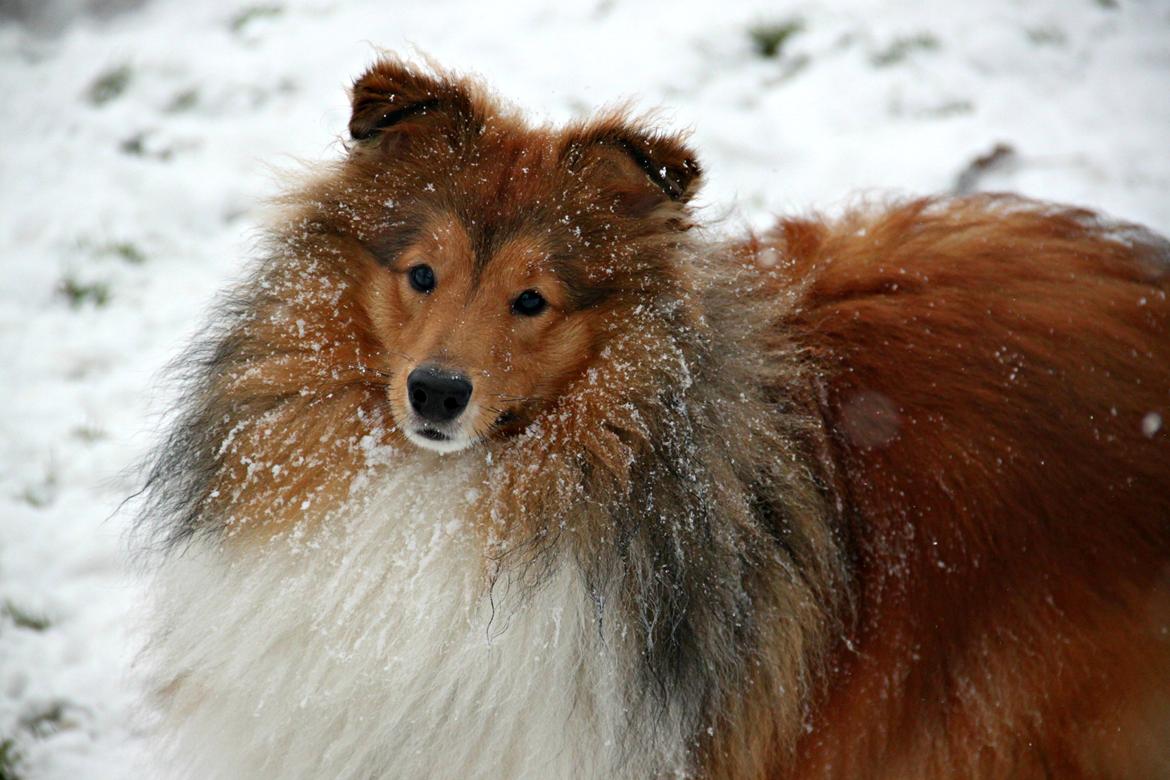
[
  {"x": 872, "y": 494},
  {"x": 985, "y": 366}
]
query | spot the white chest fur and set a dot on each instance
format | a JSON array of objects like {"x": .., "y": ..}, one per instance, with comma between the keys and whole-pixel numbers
[{"x": 369, "y": 647}]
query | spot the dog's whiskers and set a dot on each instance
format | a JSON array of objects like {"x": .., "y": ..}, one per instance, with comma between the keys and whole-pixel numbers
[
  {"x": 520, "y": 398},
  {"x": 365, "y": 371}
]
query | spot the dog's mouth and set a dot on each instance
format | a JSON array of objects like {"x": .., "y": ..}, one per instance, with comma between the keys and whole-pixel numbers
[
  {"x": 443, "y": 439},
  {"x": 458, "y": 434}
]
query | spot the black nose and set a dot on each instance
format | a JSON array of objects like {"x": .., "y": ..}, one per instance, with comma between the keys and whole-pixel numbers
[{"x": 437, "y": 395}]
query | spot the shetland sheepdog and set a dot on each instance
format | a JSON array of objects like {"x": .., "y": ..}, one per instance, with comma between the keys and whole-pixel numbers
[{"x": 499, "y": 465}]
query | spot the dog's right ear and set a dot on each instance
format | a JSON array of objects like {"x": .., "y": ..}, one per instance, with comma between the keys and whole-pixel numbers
[{"x": 395, "y": 99}]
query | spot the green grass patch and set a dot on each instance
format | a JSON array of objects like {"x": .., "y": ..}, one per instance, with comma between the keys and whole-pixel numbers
[
  {"x": 952, "y": 108},
  {"x": 46, "y": 721},
  {"x": 37, "y": 496},
  {"x": 253, "y": 12},
  {"x": 109, "y": 85},
  {"x": 23, "y": 618},
  {"x": 89, "y": 433},
  {"x": 769, "y": 38},
  {"x": 901, "y": 48},
  {"x": 183, "y": 101},
  {"x": 135, "y": 145},
  {"x": 125, "y": 250},
  {"x": 1046, "y": 36},
  {"x": 9, "y": 759},
  {"x": 79, "y": 293},
  {"x": 139, "y": 145}
]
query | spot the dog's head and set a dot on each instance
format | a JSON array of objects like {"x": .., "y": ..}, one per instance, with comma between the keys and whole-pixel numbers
[{"x": 498, "y": 256}]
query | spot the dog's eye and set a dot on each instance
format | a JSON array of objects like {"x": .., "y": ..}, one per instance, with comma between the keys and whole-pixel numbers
[
  {"x": 529, "y": 303},
  {"x": 422, "y": 278}
]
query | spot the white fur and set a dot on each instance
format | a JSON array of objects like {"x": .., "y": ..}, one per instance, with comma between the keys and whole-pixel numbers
[
  {"x": 367, "y": 648},
  {"x": 460, "y": 432}
]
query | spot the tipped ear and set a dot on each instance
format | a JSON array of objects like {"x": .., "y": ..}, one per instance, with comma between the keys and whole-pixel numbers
[
  {"x": 392, "y": 94},
  {"x": 642, "y": 169}
]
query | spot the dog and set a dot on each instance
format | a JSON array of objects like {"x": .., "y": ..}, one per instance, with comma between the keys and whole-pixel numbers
[{"x": 500, "y": 465}]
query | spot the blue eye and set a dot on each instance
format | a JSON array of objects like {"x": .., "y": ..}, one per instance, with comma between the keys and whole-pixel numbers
[
  {"x": 422, "y": 278},
  {"x": 529, "y": 303}
]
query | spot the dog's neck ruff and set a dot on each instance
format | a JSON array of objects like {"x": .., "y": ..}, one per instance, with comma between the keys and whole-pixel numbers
[{"x": 374, "y": 645}]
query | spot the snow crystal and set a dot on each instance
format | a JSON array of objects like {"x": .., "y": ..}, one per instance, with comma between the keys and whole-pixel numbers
[
  {"x": 767, "y": 258},
  {"x": 1151, "y": 424}
]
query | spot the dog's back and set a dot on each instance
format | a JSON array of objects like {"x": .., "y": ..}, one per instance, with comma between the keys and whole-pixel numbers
[{"x": 994, "y": 377}]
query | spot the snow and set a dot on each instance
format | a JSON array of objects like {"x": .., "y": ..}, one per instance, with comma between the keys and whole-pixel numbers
[
  {"x": 141, "y": 139},
  {"x": 1151, "y": 424}
]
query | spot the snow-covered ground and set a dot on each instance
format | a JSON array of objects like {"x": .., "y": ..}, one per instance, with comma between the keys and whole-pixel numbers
[{"x": 138, "y": 142}]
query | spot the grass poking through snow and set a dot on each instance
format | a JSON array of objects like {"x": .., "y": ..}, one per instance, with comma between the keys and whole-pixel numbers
[
  {"x": 246, "y": 16},
  {"x": 23, "y": 618},
  {"x": 126, "y": 251},
  {"x": 79, "y": 293},
  {"x": 769, "y": 39},
  {"x": 9, "y": 759},
  {"x": 901, "y": 48},
  {"x": 109, "y": 85}
]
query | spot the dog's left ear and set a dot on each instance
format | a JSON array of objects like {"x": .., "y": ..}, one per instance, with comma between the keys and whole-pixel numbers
[{"x": 642, "y": 170}]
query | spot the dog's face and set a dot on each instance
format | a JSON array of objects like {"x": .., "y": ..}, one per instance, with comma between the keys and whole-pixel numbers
[
  {"x": 496, "y": 257},
  {"x": 473, "y": 350}
]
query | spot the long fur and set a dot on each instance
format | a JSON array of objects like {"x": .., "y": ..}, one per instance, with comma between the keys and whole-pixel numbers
[{"x": 873, "y": 497}]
